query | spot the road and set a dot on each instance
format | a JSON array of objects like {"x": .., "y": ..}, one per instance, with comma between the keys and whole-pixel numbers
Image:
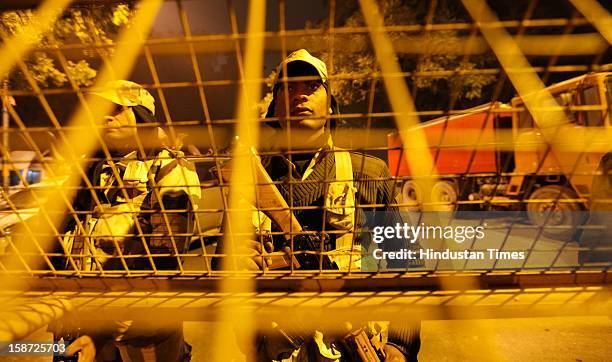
[{"x": 570, "y": 339}]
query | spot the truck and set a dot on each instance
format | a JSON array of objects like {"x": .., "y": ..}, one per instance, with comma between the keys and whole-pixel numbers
[{"x": 496, "y": 156}]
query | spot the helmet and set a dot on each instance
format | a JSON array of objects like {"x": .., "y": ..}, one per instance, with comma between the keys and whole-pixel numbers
[
  {"x": 126, "y": 93},
  {"x": 314, "y": 64},
  {"x": 303, "y": 55}
]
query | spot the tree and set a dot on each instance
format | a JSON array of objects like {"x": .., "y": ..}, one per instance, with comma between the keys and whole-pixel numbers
[
  {"x": 354, "y": 57},
  {"x": 88, "y": 25}
]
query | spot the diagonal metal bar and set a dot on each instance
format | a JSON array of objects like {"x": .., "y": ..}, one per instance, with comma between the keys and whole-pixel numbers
[
  {"x": 419, "y": 159},
  {"x": 597, "y": 15},
  {"x": 88, "y": 113}
]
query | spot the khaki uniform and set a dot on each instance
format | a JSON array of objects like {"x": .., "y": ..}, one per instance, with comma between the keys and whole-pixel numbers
[
  {"x": 131, "y": 222},
  {"x": 339, "y": 202},
  {"x": 339, "y": 208},
  {"x": 116, "y": 225},
  {"x": 355, "y": 179}
]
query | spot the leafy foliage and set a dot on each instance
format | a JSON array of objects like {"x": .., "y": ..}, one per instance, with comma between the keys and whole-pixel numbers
[
  {"x": 354, "y": 61},
  {"x": 433, "y": 55},
  {"x": 84, "y": 25}
]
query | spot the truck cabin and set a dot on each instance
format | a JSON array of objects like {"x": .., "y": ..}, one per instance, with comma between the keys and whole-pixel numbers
[{"x": 586, "y": 101}]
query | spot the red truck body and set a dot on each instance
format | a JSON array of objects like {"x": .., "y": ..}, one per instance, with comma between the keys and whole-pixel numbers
[
  {"x": 459, "y": 144},
  {"x": 497, "y": 155}
]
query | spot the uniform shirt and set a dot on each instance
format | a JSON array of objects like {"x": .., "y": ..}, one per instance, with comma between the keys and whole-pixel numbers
[
  {"x": 139, "y": 339},
  {"x": 154, "y": 226},
  {"x": 375, "y": 192}
]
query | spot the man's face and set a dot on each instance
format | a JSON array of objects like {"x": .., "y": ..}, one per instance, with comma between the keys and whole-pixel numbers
[
  {"x": 307, "y": 101},
  {"x": 119, "y": 130}
]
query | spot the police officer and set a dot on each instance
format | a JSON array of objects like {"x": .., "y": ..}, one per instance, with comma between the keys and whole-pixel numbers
[
  {"x": 318, "y": 173},
  {"x": 123, "y": 216}
]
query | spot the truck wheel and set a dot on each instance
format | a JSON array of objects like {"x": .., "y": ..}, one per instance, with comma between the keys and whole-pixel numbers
[
  {"x": 594, "y": 241},
  {"x": 444, "y": 194},
  {"x": 412, "y": 194},
  {"x": 553, "y": 213},
  {"x": 601, "y": 190}
]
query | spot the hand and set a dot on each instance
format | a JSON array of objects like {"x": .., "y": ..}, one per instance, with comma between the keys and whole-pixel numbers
[
  {"x": 86, "y": 348},
  {"x": 253, "y": 248},
  {"x": 394, "y": 354}
]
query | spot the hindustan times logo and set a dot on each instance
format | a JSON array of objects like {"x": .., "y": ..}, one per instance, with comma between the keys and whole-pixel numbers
[{"x": 422, "y": 231}]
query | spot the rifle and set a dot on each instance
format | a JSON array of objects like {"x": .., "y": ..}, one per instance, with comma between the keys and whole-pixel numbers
[
  {"x": 274, "y": 205},
  {"x": 363, "y": 348},
  {"x": 65, "y": 331}
]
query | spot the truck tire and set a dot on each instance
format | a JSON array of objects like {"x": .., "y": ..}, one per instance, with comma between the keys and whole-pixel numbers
[
  {"x": 595, "y": 242},
  {"x": 566, "y": 214},
  {"x": 444, "y": 196},
  {"x": 601, "y": 191},
  {"x": 412, "y": 194}
]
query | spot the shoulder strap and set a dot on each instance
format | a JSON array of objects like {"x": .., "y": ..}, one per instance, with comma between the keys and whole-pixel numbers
[
  {"x": 344, "y": 166},
  {"x": 345, "y": 189}
]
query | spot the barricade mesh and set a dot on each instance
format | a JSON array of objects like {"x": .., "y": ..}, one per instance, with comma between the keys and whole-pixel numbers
[{"x": 486, "y": 115}]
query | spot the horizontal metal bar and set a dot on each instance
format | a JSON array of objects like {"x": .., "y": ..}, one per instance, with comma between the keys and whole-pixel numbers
[
  {"x": 339, "y": 76},
  {"x": 329, "y": 281},
  {"x": 31, "y": 4},
  {"x": 314, "y": 307}
]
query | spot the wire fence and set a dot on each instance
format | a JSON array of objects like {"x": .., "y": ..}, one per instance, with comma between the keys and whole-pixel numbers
[{"x": 526, "y": 159}]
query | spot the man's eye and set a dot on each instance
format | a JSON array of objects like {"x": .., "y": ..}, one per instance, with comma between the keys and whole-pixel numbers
[
  {"x": 290, "y": 88},
  {"x": 118, "y": 109},
  {"x": 314, "y": 86}
]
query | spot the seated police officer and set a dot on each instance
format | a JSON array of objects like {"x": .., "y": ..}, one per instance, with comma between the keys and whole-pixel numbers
[
  {"x": 121, "y": 216},
  {"x": 336, "y": 182}
]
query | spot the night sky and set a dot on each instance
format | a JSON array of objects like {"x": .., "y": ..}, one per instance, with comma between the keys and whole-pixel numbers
[
  {"x": 206, "y": 18},
  {"x": 212, "y": 17}
]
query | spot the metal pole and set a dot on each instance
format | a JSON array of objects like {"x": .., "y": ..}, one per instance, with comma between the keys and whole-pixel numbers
[
  {"x": 22, "y": 320},
  {"x": 5, "y": 136}
]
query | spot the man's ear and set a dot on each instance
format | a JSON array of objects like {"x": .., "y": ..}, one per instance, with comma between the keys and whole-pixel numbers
[{"x": 164, "y": 140}]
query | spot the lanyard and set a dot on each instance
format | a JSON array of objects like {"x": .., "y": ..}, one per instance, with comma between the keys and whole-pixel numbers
[{"x": 317, "y": 157}]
